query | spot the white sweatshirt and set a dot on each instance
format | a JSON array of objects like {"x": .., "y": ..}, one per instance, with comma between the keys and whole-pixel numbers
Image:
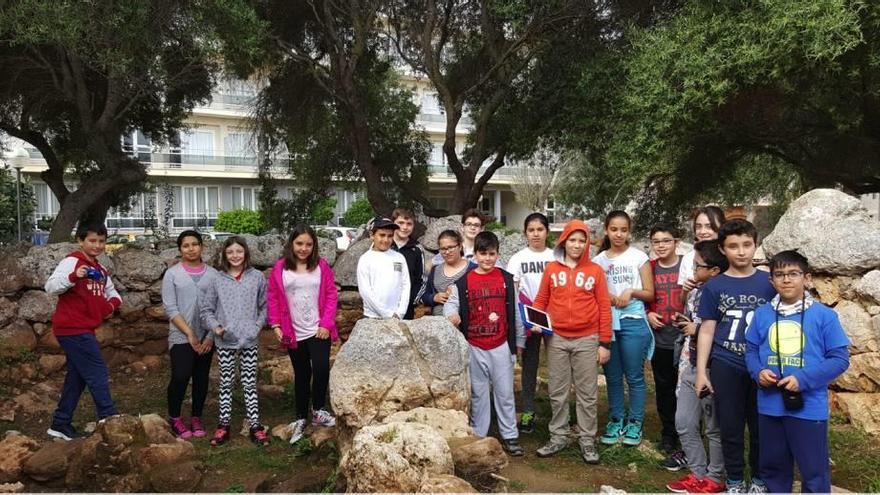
[{"x": 383, "y": 283}]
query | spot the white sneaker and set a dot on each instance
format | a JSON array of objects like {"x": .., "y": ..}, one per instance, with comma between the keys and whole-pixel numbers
[
  {"x": 298, "y": 427},
  {"x": 321, "y": 417}
]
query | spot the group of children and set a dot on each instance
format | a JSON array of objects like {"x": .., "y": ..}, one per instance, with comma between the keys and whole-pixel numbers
[
  {"x": 208, "y": 309},
  {"x": 770, "y": 349}
]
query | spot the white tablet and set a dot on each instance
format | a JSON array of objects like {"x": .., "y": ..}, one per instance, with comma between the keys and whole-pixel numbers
[{"x": 538, "y": 318}]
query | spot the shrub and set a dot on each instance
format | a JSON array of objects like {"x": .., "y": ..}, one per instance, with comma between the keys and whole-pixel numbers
[
  {"x": 240, "y": 222},
  {"x": 359, "y": 212}
]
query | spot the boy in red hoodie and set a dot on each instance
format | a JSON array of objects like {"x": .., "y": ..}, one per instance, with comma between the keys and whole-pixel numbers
[
  {"x": 86, "y": 298},
  {"x": 574, "y": 293}
]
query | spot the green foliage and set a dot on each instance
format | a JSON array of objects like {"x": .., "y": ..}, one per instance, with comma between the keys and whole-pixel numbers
[
  {"x": 358, "y": 213},
  {"x": 240, "y": 222},
  {"x": 8, "y": 209},
  {"x": 729, "y": 102},
  {"x": 234, "y": 488},
  {"x": 496, "y": 226}
]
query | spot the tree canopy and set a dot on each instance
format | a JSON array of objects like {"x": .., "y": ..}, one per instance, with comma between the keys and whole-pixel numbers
[
  {"x": 79, "y": 75},
  {"x": 732, "y": 101}
]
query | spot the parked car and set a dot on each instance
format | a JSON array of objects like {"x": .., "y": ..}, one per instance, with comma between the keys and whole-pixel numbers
[
  {"x": 343, "y": 236},
  {"x": 217, "y": 236}
]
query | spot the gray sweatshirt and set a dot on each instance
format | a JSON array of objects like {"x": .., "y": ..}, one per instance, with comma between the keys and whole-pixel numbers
[
  {"x": 237, "y": 306},
  {"x": 180, "y": 296}
]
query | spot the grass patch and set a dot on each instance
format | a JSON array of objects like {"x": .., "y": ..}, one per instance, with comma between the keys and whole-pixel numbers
[
  {"x": 856, "y": 458},
  {"x": 234, "y": 488},
  {"x": 516, "y": 486},
  {"x": 388, "y": 435},
  {"x": 330, "y": 483}
]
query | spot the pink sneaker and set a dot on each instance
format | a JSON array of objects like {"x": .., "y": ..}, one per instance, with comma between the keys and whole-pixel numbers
[
  {"x": 195, "y": 424},
  {"x": 178, "y": 427}
]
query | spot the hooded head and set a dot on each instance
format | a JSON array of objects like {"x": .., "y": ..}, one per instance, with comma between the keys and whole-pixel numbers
[{"x": 570, "y": 228}]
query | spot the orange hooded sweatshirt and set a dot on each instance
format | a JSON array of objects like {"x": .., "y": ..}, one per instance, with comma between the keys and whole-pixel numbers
[{"x": 576, "y": 298}]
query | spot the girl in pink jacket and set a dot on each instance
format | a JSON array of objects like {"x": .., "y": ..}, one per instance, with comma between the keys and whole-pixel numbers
[{"x": 302, "y": 312}]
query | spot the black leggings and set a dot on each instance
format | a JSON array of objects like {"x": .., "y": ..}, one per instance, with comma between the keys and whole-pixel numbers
[
  {"x": 186, "y": 364},
  {"x": 310, "y": 359}
]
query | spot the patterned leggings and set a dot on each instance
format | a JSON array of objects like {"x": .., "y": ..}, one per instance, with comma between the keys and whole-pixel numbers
[{"x": 248, "y": 383}]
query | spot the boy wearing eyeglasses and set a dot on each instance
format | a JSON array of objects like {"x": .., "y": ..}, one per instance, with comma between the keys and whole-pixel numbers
[
  {"x": 795, "y": 348},
  {"x": 667, "y": 303}
]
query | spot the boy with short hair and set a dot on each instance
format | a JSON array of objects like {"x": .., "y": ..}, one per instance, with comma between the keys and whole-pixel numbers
[
  {"x": 472, "y": 223},
  {"x": 411, "y": 251},
  {"x": 86, "y": 297},
  {"x": 694, "y": 413},
  {"x": 795, "y": 348},
  {"x": 382, "y": 275},
  {"x": 726, "y": 307},
  {"x": 667, "y": 303},
  {"x": 483, "y": 306}
]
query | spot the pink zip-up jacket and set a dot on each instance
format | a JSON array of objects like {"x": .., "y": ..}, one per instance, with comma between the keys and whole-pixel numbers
[{"x": 279, "y": 311}]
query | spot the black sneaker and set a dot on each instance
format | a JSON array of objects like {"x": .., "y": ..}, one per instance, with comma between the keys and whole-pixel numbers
[
  {"x": 675, "y": 462},
  {"x": 668, "y": 446},
  {"x": 64, "y": 432},
  {"x": 512, "y": 447}
]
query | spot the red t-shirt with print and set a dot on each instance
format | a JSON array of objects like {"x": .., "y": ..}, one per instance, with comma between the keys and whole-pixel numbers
[{"x": 487, "y": 319}]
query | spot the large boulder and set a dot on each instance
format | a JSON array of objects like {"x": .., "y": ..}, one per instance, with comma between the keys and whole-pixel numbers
[
  {"x": 160, "y": 454},
  {"x": 509, "y": 245},
  {"x": 868, "y": 286},
  {"x": 446, "y": 483},
  {"x": 345, "y": 268},
  {"x": 12, "y": 275},
  {"x": 449, "y": 423},
  {"x": 40, "y": 262},
  {"x": 14, "y": 451},
  {"x": 389, "y": 365},
  {"x": 133, "y": 305},
  {"x": 16, "y": 337},
  {"x": 476, "y": 459},
  {"x": 863, "y": 337},
  {"x": 265, "y": 250},
  {"x": 52, "y": 460},
  {"x": 181, "y": 477},
  {"x": 137, "y": 268},
  {"x": 395, "y": 457},
  {"x": 863, "y": 410},
  {"x": 438, "y": 225},
  {"x": 327, "y": 249},
  {"x": 817, "y": 222},
  {"x": 8, "y": 311},
  {"x": 36, "y": 305},
  {"x": 157, "y": 429},
  {"x": 863, "y": 374}
]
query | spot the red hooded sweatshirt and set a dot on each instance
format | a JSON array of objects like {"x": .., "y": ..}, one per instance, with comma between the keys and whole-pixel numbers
[
  {"x": 83, "y": 303},
  {"x": 576, "y": 299}
]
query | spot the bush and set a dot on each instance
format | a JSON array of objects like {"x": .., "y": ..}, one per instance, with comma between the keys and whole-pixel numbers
[
  {"x": 240, "y": 222},
  {"x": 359, "y": 212}
]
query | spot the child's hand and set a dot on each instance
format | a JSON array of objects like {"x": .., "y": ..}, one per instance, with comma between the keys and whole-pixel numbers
[
  {"x": 454, "y": 319},
  {"x": 81, "y": 271},
  {"x": 207, "y": 344},
  {"x": 322, "y": 333},
  {"x": 702, "y": 383},
  {"x": 655, "y": 320},
  {"x": 219, "y": 331},
  {"x": 767, "y": 378},
  {"x": 441, "y": 297},
  {"x": 687, "y": 328},
  {"x": 604, "y": 355},
  {"x": 690, "y": 284},
  {"x": 623, "y": 299},
  {"x": 195, "y": 344},
  {"x": 789, "y": 383}
]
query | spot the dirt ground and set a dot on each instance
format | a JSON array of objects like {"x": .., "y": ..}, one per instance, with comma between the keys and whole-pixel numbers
[{"x": 241, "y": 467}]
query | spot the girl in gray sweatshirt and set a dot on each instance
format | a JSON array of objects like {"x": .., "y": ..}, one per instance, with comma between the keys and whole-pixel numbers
[{"x": 234, "y": 309}]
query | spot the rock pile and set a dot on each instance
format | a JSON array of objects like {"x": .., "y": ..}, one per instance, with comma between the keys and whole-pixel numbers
[
  {"x": 842, "y": 243},
  {"x": 400, "y": 391}
]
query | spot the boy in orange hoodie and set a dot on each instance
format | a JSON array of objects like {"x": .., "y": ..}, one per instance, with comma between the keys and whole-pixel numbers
[{"x": 574, "y": 293}]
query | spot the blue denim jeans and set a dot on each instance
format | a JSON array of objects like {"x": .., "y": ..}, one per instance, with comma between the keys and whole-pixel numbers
[
  {"x": 633, "y": 344},
  {"x": 85, "y": 368}
]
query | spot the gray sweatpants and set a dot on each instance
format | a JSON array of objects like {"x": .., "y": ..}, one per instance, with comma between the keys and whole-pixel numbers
[
  {"x": 689, "y": 411},
  {"x": 492, "y": 373}
]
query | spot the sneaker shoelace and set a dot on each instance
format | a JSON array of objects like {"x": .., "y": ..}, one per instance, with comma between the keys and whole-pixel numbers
[
  {"x": 633, "y": 430},
  {"x": 179, "y": 425},
  {"x": 613, "y": 429},
  {"x": 196, "y": 424},
  {"x": 322, "y": 416}
]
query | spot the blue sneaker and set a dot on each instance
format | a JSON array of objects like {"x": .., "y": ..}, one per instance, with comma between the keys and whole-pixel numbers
[
  {"x": 737, "y": 486},
  {"x": 613, "y": 432},
  {"x": 632, "y": 433}
]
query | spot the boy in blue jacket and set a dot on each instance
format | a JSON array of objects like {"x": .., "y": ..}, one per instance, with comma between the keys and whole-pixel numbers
[{"x": 795, "y": 347}]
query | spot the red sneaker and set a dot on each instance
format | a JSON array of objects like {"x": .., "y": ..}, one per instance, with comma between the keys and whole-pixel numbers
[
  {"x": 259, "y": 437},
  {"x": 707, "y": 485},
  {"x": 684, "y": 485},
  {"x": 221, "y": 436}
]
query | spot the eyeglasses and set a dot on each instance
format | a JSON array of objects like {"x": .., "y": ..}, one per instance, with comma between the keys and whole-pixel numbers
[
  {"x": 475, "y": 225},
  {"x": 700, "y": 265},
  {"x": 792, "y": 275},
  {"x": 449, "y": 249},
  {"x": 661, "y": 242}
]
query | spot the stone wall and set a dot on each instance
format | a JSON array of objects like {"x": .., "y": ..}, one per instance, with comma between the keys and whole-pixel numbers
[{"x": 842, "y": 243}]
